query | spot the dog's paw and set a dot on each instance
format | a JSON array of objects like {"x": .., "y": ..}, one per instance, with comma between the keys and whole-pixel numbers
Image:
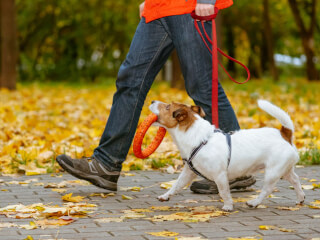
[
  {"x": 163, "y": 198},
  {"x": 301, "y": 200},
  {"x": 253, "y": 203},
  {"x": 228, "y": 208}
]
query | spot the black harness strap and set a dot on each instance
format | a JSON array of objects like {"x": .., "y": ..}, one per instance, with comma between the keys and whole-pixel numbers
[{"x": 197, "y": 149}]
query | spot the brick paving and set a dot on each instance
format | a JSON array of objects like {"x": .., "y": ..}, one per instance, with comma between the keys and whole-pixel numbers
[{"x": 244, "y": 222}]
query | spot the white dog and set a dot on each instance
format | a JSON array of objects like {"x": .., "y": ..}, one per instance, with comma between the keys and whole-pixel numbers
[{"x": 253, "y": 150}]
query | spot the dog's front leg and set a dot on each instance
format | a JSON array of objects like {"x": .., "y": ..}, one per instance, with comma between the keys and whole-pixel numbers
[
  {"x": 185, "y": 178},
  {"x": 224, "y": 191}
]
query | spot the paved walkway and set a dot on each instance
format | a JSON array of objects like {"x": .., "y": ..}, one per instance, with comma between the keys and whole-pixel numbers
[{"x": 244, "y": 222}]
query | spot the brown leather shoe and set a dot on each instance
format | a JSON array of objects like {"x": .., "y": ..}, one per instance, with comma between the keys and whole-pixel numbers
[{"x": 90, "y": 169}]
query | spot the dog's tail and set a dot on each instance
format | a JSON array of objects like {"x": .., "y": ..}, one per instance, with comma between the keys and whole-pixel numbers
[{"x": 287, "y": 124}]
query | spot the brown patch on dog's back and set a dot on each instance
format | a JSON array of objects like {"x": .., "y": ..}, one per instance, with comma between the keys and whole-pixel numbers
[{"x": 286, "y": 133}]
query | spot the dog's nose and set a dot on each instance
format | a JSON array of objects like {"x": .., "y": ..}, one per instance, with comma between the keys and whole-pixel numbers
[{"x": 152, "y": 102}]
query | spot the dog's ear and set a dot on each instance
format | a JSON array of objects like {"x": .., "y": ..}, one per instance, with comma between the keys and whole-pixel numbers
[
  {"x": 198, "y": 110},
  {"x": 180, "y": 114}
]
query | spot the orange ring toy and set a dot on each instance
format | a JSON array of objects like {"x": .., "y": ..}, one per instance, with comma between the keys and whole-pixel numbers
[{"x": 141, "y": 132}]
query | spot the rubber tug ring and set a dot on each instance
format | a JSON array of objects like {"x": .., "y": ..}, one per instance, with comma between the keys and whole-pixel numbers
[{"x": 141, "y": 132}]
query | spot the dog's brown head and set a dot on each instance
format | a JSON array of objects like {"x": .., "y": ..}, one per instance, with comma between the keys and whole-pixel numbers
[{"x": 171, "y": 115}]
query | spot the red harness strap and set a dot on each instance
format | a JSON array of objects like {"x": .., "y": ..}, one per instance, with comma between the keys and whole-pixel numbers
[{"x": 214, "y": 51}]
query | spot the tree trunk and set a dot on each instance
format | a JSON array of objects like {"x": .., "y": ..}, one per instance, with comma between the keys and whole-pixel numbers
[
  {"x": 307, "y": 37},
  {"x": 269, "y": 40},
  {"x": 177, "y": 78},
  {"x": 231, "y": 48},
  {"x": 8, "y": 44}
]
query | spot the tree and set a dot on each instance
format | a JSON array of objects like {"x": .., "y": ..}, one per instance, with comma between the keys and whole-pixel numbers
[
  {"x": 8, "y": 44},
  {"x": 307, "y": 35},
  {"x": 269, "y": 40}
]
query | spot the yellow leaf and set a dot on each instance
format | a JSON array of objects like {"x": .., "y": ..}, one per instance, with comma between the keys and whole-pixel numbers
[
  {"x": 289, "y": 208},
  {"x": 29, "y": 226},
  {"x": 315, "y": 186},
  {"x": 163, "y": 234},
  {"x": 28, "y": 238},
  {"x": 69, "y": 198},
  {"x": 266, "y": 227},
  {"x": 133, "y": 189},
  {"x": 124, "y": 197},
  {"x": 58, "y": 190},
  {"x": 36, "y": 171},
  {"x": 167, "y": 185},
  {"x": 313, "y": 180},
  {"x": 128, "y": 174}
]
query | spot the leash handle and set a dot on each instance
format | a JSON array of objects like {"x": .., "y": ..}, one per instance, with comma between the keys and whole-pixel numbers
[{"x": 205, "y": 18}]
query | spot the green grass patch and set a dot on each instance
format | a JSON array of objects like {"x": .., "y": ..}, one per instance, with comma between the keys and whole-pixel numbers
[{"x": 310, "y": 157}]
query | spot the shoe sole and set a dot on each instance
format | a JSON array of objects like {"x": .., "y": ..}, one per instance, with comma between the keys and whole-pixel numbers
[
  {"x": 95, "y": 180},
  {"x": 235, "y": 184}
]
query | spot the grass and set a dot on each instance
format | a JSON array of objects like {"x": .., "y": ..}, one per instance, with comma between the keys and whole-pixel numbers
[{"x": 310, "y": 157}]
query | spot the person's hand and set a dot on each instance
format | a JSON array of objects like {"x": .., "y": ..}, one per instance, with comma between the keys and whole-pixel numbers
[
  {"x": 141, "y": 7},
  {"x": 204, "y": 9}
]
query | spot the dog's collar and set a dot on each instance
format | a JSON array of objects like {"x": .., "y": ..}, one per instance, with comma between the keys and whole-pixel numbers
[{"x": 197, "y": 149}]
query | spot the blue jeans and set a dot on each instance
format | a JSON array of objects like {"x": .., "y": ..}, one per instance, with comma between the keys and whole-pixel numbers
[{"x": 150, "y": 48}]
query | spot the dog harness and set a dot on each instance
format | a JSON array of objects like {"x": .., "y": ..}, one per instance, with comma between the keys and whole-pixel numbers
[{"x": 197, "y": 149}]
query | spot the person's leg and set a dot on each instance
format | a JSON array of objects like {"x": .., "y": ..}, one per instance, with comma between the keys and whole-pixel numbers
[
  {"x": 196, "y": 65},
  {"x": 150, "y": 48}
]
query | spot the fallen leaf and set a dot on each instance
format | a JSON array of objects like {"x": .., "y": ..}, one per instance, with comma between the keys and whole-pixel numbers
[
  {"x": 133, "y": 189},
  {"x": 313, "y": 180},
  {"x": 289, "y": 208},
  {"x": 134, "y": 215},
  {"x": 29, "y": 226},
  {"x": 262, "y": 206},
  {"x": 53, "y": 222},
  {"x": 128, "y": 174},
  {"x": 266, "y": 227},
  {"x": 68, "y": 198},
  {"x": 163, "y": 234},
  {"x": 270, "y": 227},
  {"x": 307, "y": 187},
  {"x": 7, "y": 225},
  {"x": 286, "y": 230},
  {"x": 58, "y": 190},
  {"x": 107, "y": 220},
  {"x": 315, "y": 185},
  {"x": 124, "y": 197},
  {"x": 28, "y": 238},
  {"x": 167, "y": 185},
  {"x": 36, "y": 171},
  {"x": 316, "y": 216}
]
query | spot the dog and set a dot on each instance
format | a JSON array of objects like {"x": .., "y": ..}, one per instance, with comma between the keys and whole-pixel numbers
[{"x": 253, "y": 150}]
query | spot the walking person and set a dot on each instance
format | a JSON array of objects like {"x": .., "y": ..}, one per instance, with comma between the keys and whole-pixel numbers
[{"x": 165, "y": 25}]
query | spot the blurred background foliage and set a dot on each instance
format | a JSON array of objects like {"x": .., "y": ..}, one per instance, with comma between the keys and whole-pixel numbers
[{"x": 86, "y": 41}]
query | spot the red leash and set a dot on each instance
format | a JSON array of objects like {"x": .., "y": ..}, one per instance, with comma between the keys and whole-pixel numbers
[{"x": 214, "y": 52}]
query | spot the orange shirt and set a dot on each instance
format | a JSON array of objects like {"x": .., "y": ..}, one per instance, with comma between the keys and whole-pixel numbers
[{"x": 155, "y": 9}]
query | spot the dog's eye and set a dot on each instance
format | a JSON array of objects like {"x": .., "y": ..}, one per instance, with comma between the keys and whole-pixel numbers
[{"x": 168, "y": 107}]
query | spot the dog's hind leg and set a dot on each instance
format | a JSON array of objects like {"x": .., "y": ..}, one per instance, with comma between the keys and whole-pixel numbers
[
  {"x": 272, "y": 176},
  {"x": 184, "y": 179},
  {"x": 293, "y": 178}
]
